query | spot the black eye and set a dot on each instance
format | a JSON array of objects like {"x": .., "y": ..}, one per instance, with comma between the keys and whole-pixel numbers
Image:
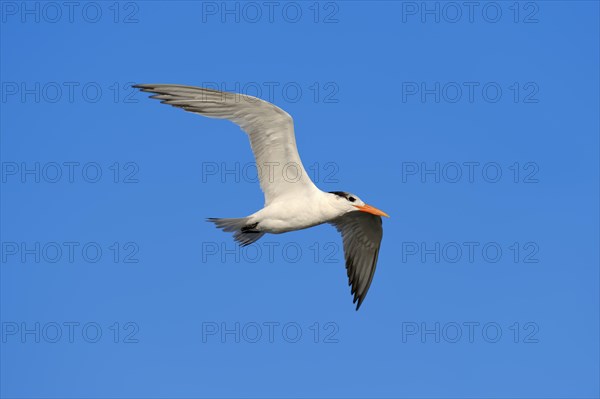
[{"x": 351, "y": 199}]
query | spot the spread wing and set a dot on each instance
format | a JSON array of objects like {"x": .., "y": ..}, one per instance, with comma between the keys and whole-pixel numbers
[
  {"x": 361, "y": 235},
  {"x": 270, "y": 129}
]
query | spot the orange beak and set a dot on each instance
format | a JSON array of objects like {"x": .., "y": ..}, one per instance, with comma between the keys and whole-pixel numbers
[{"x": 372, "y": 209}]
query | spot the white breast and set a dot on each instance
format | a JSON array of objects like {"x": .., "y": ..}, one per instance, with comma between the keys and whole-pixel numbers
[{"x": 295, "y": 213}]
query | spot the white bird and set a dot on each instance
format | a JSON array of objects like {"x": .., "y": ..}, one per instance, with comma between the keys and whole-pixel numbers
[{"x": 292, "y": 201}]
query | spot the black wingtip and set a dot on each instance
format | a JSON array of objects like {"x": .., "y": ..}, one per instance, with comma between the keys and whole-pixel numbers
[
  {"x": 358, "y": 304},
  {"x": 144, "y": 87}
]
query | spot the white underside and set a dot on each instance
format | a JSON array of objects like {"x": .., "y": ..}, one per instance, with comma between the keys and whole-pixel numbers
[{"x": 295, "y": 212}]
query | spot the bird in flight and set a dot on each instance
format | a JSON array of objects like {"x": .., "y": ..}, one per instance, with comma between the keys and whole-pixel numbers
[{"x": 292, "y": 201}]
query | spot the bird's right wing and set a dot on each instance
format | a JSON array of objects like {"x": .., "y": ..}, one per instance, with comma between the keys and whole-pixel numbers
[
  {"x": 270, "y": 129},
  {"x": 361, "y": 234}
]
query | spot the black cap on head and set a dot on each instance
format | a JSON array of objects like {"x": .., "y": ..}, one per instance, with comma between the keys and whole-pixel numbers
[{"x": 343, "y": 194}]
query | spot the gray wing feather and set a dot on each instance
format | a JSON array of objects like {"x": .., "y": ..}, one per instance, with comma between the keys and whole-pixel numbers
[{"x": 361, "y": 234}]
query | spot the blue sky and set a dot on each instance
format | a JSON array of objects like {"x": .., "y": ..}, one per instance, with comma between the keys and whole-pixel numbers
[{"x": 474, "y": 127}]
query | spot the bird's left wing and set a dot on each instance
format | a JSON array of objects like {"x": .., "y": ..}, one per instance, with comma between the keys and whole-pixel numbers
[
  {"x": 270, "y": 129},
  {"x": 361, "y": 235}
]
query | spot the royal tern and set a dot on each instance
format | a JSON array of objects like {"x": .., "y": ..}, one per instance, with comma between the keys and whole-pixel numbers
[{"x": 292, "y": 201}]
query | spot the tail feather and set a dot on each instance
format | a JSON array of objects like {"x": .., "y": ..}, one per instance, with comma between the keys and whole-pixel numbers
[{"x": 243, "y": 231}]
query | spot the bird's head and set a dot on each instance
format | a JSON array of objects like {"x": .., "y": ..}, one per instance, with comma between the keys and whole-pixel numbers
[{"x": 348, "y": 202}]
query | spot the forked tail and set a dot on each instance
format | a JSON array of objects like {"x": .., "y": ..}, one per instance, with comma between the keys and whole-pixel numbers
[{"x": 243, "y": 231}]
